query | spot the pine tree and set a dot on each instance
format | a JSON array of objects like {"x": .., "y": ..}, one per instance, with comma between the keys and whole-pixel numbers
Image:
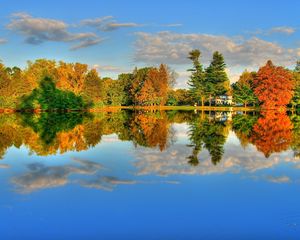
[
  {"x": 296, "y": 75},
  {"x": 217, "y": 82},
  {"x": 243, "y": 89},
  {"x": 197, "y": 79}
]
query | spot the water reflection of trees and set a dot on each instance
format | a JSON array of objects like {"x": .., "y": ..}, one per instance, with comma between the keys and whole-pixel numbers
[
  {"x": 242, "y": 125},
  {"x": 295, "y": 118},
  {"x": 269, "y": 132},
  {"x": 49, "y": 133},
  {"x": 209, "y": 133},
  {"x": 272, "y": 132},
  {"x": 150, "y": 130}
]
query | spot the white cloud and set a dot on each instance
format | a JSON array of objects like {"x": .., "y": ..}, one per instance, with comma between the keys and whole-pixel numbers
[
  {"x": 172, "y": 25},
  {"x": 107, "y": 68},
  {"x": 107, "y": 23},
  {"x": 96, "y": 22},
  {"x": 86, "y": 43},
  {"x": 283, "y": 30},
  {"x": 182, "y": 79},
  {"x": 40, "y": 30},
  {"x": 4, "y": 166},
  {"x": 280, "y": 179},
  {"x": 2, "y": 41},
  {"x": 233, "y": 76},
  {"x": 115, "y": 25},
  {"x": 275, "y": 30},
  {"x": 173, "y": 48}
]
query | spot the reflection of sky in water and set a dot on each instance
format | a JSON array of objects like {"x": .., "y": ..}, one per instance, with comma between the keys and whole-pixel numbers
[{"x": 115, "y": 190}]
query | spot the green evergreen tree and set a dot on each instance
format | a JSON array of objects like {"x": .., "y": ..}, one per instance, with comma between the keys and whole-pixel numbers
[
  {"x": 197, "y": 78},
  {"x": 243, "y": 89},
  {"x": 217, "y": 82},
  {"x": 48, "y": 97},
  {"x": 296, "y": 97}
]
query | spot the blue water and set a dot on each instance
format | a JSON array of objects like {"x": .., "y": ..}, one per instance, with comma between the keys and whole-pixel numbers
[{"x": 116, "y": 190}]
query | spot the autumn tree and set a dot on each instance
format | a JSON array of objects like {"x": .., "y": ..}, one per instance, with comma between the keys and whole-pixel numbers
[
  {"x": 149, "y": 86},
  {"x": 243, "y": 89},
  {"x": 113, "y": 92},
  {"x": 138, "y": 80},
  {"x": 12, "y": 86},
  {"x": 4, "y": 85},
  {"x": 71, "y": 76},
  {"x": 296, "y": 97},
  {"x": 273, "y": 86},
  {"x": 148, "y": 94},
  {"x": 93, "y": 89},
  {"x": 179, "y": 97},
  {"x": 162, "y": 84},
  {"x": 37, "y": 70}
]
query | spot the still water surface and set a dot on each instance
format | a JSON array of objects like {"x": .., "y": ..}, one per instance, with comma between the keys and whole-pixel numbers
[{"x": 150, "y": 175}]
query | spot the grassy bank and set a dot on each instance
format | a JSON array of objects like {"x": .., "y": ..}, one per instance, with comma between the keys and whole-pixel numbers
[
  {"x": 117, "y": 108},
  {"x": 153, "y": 108},
  {"x": 178, "y": 108}
]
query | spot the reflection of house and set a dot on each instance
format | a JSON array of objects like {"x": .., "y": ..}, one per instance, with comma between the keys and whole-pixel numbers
[
  {"x": 223, "y": 100},
  {"x": 221, "y": 116}
]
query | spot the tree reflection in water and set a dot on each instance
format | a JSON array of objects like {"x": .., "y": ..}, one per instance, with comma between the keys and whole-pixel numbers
[
  {"x": 49, "y": 133},
  {"x": 272, "y": 132},
  {"x": 209, "y": 133}
]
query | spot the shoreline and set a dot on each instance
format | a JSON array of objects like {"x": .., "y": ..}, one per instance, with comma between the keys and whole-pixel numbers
[
  {"x": 156, "y": 108},
  {"x": 150, "y": 108}
]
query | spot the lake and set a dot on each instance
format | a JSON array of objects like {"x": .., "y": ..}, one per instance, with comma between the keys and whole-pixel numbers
[{"x": 150, "y": 175}]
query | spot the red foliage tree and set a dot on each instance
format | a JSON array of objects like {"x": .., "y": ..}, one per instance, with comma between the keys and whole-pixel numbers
[{"x": 273, "y": 86}]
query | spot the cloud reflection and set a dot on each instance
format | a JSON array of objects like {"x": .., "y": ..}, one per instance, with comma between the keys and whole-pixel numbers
[
  {"x": 4, "y": 166},
  {"x": 41, "y": 176},
  {"x": 280, "y": 179},
  {"x": 236, "y": 159},
  {"x": 105, "y": 183}
]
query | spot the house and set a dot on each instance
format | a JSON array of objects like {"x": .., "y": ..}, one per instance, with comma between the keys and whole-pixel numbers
[{"x": 223, "y": 100}]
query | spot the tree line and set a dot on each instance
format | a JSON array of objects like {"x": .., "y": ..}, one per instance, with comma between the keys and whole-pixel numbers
[
  {"x": 270, "y": 87},
  {"x": 47, "y": 84}
]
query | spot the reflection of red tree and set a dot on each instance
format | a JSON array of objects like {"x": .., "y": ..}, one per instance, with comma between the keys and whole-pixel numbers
[
  {"x": 150, "y": 130},
  {"x": 272, "y": 132}
]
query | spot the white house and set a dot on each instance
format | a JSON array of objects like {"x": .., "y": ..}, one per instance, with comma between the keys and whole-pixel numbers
[{"x": 223, "y": 100}]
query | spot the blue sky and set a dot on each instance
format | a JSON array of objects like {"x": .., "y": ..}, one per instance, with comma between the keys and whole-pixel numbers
[{"x": 115, "y": 36}]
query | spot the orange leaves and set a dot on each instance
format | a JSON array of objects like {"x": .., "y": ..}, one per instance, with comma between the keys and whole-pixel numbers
[
  {"x": 150, "y": 86},
  {"x": 150, "y": 130},
  {"x": 273, "y": 86},
  {"x": 147, "y": 93},
  {"x": 71, "y": 76},
  {"x": 272, "y": 132}
]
